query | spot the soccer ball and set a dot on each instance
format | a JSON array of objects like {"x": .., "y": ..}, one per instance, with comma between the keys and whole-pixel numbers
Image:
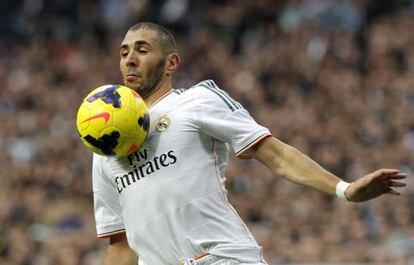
[{"x": 113, "y": 120}]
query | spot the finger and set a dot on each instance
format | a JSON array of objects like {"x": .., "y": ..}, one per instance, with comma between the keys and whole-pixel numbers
[
  {"x": 397, "y": 184},
  {"x": 399, "y": 176},
  {"x": 387, "y": 171},
  {"x": 395, "y": 176},
  {"x": 394, "y": 192}
]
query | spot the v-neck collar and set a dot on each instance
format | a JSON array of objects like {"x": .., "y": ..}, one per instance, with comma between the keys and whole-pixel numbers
[{"x": 160, "y": 98}]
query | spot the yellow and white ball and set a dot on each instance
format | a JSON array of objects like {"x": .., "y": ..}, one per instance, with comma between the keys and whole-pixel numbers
[{"x": 113, "y": 120}]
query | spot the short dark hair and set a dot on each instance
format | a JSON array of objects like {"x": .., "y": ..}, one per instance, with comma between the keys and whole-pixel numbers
[{"x": 166, "y": 40}]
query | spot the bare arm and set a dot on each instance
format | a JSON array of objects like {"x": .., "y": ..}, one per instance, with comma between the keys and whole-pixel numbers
[
  {"x": 291, "y": 164},
  {"x": 119, "y": 253}
]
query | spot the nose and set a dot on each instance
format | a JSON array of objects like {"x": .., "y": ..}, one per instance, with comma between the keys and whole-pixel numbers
[{"x": 131, "y": 60}]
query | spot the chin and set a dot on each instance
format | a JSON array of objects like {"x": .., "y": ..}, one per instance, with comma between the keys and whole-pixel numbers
[{"x": 131, "y": 85}]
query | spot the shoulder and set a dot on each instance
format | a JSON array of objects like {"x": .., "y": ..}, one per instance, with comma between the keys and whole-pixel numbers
[
  {"x": 208, "y": 92},
  {"x": 204, "y": 87}
]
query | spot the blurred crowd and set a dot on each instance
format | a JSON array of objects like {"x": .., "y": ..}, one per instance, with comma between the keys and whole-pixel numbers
[{"x": 334, "y": 78}]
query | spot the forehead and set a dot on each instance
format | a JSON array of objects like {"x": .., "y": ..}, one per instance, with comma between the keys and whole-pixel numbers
[{"x": 146, "y": 35}]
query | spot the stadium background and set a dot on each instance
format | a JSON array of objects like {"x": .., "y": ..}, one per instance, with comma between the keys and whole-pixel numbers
[{"x": 332, "y": 78}]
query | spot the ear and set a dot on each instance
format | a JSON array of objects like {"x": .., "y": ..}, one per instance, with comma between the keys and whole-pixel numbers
[{"x": 173, "y": 60}]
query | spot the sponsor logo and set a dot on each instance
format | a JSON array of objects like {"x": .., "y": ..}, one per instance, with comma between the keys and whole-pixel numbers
[
  {"x": 104, "y": 115},
  {"x": 142, "y": 167}
]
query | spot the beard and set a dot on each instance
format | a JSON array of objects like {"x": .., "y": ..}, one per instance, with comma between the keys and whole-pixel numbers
[{"x": 152, "y": 80}]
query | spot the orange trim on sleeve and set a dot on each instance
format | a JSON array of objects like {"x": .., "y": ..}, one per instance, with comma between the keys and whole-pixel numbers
[
  {"x": 247, "y": 148},
  {"x": 196, "y": 258},
  {"x": 111, "y": 234}
]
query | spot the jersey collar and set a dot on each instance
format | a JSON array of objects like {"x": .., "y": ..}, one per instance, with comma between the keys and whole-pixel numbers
[{"x": 160, "y": 98}]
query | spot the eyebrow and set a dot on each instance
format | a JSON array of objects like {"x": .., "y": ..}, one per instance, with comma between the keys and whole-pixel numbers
[{"x": 137, "y": 43}]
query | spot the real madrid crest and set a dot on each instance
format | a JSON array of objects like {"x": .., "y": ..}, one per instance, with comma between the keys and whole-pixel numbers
[{"x": 163, "y": 123}]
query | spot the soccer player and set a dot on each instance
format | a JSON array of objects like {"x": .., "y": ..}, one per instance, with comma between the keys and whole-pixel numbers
[{"x": 167, "y": 203}]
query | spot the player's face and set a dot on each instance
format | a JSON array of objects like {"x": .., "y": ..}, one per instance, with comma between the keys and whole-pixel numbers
[{"x": 142, "y": 63}]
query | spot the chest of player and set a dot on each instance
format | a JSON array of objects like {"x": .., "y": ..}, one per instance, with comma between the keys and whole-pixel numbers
[{"x": 171, "y": 141}]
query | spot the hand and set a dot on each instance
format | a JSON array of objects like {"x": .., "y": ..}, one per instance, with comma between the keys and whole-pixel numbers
[{"x": 382, "y": 181}]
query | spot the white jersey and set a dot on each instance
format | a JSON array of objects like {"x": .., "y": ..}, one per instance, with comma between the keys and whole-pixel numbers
[{"x": 169, "y": 197}]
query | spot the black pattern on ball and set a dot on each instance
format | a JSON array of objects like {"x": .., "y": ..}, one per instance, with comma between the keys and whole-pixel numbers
[
  {"x": 107, "y": 143},
  {"x": 109, "y": 96},
  {"x": 144, "y": 122}
]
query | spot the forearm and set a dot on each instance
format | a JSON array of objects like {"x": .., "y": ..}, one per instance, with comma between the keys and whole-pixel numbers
[
  {"x": 299, "y": 168},
  {"x": 119, "y": 253},
  {"x": 290, "y": 163},
  {"x": 120, "y": 256}
]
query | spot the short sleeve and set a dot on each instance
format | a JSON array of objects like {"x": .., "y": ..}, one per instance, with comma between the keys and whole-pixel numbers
[
  {"x": 223, "y": 118},
  {"x": 108, "y": 214}
]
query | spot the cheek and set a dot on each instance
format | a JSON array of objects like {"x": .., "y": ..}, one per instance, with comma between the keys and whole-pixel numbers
[{"x": 122, "y": 67}]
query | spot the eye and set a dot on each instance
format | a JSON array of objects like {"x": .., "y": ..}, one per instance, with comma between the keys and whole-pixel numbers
[
  {"x": 144, "y": 51},
  {"x": 124, "y": 54}
]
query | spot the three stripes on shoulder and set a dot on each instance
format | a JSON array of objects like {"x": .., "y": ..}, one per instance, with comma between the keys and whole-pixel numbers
[
  {"x": 230, "y": 102},
  {"x": 210, "y": 85}
]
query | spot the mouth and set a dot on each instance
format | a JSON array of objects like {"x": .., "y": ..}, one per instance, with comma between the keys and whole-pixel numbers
[{"x": 132, "y": 76}]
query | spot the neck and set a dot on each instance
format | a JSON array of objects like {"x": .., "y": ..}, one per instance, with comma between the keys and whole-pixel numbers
[{"x": 158, "y": 93}]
